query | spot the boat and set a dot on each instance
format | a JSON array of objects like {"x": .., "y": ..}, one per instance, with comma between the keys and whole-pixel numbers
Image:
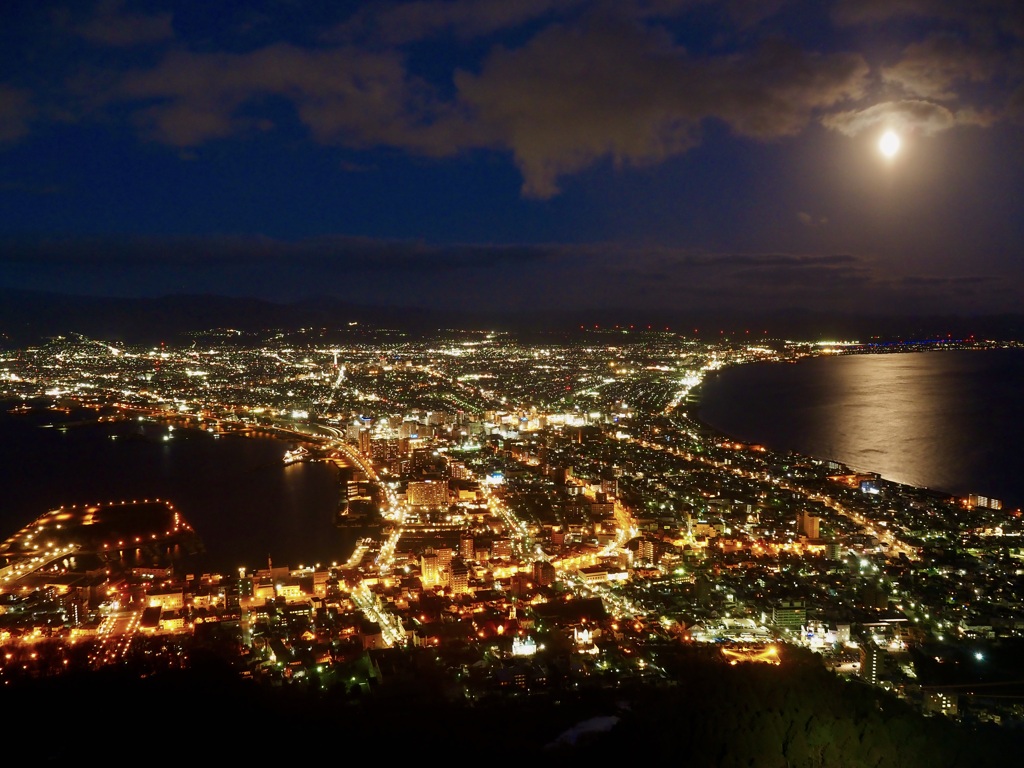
[{"x": 298, "y": 454}]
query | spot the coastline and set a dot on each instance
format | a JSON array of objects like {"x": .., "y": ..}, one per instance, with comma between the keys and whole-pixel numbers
[
  {"x": 695, "y": 411},
  {"x": 245, "y": 508}
]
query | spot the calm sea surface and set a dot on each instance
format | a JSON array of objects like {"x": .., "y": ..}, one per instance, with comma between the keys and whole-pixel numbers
[
  {"x": 947, "y": 420},
  {"x": 242, "y": 501}
]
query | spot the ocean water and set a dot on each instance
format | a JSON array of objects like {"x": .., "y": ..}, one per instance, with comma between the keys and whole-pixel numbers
[
  {"x": 947, "y": 420},
  {"x": 246, "y": 506}
]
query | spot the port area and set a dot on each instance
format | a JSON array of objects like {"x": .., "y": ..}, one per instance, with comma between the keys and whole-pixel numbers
[{"x": 69, "y": 543}]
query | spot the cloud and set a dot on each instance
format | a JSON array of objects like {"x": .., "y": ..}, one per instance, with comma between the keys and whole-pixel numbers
[
  {"x": 494, "y": 277},
  {"x": 759, "y": 260},
  {"x": 465, "y": 20},
  {"x": 851, "y": 12},
  {"x": 735, "y": 281},
  {"x": 914, "y": 115},
  {"x": 402, "y": 23},
  {"x": 810, "y": 221},
  {"x": 343, "y": 95},
  {"x": 749, "y": 13},
  {"x": 112, "y": 26},
  {"x": 929, "y": 69},
  {"x": 354, "y": 254},
  {"x": 575, "y": 95},
  {"x": 1015, "y": 105},
  {"x": 606, "y": 83},
  {"x": 951, "y": 282},
  {"x": 571, "y": 97},
  {"x": 16, "y": 112},
  {"x": 988, "y": 18}
]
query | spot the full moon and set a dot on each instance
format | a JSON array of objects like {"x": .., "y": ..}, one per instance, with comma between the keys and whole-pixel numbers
[{"x": 889, "y": 144}]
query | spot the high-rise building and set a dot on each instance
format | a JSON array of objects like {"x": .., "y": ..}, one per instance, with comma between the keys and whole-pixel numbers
[
  {"x": 871, "y": 657},
  {"x": 648, "y": 550},
  {"x": 789, "y": 614},
  {"x": 501, "y": 549},
  {"x": 974, "y": 500},
  {"x": 810, "y": 525},
  {"x": 388, "y": 449},
  {"x": 411, "y": 429},
  {"x": 429, "y": 571},
  {"x": 543, "y": 573},
  {"x": 467, "y": 548},
  {"x": 458, "y": 471},
  {"x": 459, "y": 576},
  {"x": 427, "y": 493},
  {"x": 444, "y": 558}
]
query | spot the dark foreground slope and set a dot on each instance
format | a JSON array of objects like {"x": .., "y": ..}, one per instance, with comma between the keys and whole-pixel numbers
[{"x": 710, "y": 714}]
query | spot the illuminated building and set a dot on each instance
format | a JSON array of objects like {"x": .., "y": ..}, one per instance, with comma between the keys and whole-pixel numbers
[
  {"x": 871, "y": 662},
  {"x": 940, "y": 702},
  {"x": 524, "y": 646},
  {"x": 172, "y": 621},
  {"x": 466, "y": 547},
  {"x": 648, "y": 550},
  {"x": 390, "y": 449},
  {"x": 459, "y": 578},
  {"x": 973, "y": 500},
  {"x": 594, "y": 574},
  {"x": 444, "y": 557},
  {"x": 521, "y": 584},
  {"x": 171, "y": 600},
  {"x": 429, "y": 571},
  {"x": 501, "y": 548},
  {"x": 543, "y": 573},
  {"x": 809, "y": 525},
  {"x": 789, "y": 614},
  {"x": 427, "y": 493}
]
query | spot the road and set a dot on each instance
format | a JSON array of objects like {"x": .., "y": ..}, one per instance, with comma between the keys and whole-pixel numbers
[{"x": 114, "y": 637}]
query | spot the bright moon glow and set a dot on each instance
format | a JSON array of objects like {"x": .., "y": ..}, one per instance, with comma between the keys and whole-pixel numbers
[{"x": 889, "y": 144}]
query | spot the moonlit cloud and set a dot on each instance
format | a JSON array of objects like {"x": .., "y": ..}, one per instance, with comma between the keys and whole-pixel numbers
[
  {"x": 932, "y": 68},
  {"x": 811, "y": 221},
  {"x": 574, "y": 96},
  {"x": 870, "y": 11},
  {"x": 569, "y": 98},
  {"x": 698, "y": 147},
  {"x": 924, "y": 117}
]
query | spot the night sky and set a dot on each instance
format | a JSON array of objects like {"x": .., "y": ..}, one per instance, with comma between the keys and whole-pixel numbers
[{"x": 518, "y": 154}]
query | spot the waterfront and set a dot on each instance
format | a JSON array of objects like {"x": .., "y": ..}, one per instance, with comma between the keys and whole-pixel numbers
[
  {"x": 564, "y": 490},
  {"x": 950, "y": 420},
  {"x": 245, "y": 504}
]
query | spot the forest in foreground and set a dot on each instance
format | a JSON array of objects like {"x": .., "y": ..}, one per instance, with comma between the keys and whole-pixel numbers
[{"x": 708, "y": 714}]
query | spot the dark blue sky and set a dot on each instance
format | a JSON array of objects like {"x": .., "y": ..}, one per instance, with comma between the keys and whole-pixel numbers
[{"x": 538, "y": 153}]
